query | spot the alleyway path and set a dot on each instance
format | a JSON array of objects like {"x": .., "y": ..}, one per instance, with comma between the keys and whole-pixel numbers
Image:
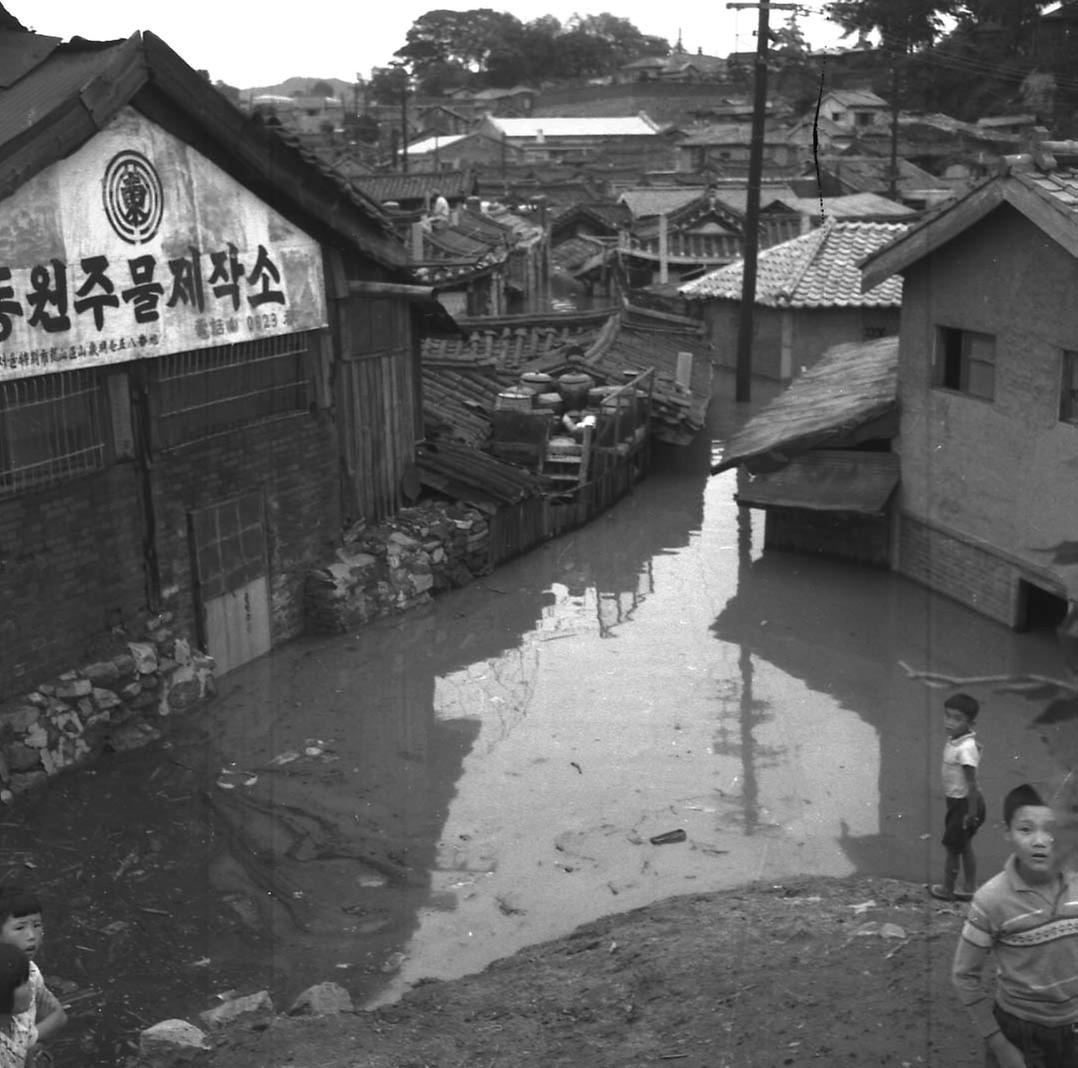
[{"x": 436, "y": 791}]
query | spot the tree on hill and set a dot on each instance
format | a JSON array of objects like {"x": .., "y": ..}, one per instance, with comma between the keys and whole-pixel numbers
[
  {"x": 491, "y": 48},
  {"x": 903, "y": 25},
  {"x": 321, "y": 89}
]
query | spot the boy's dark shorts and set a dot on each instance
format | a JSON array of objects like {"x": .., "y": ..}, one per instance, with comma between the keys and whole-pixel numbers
[
  {"x": 1042, "y": 1047},
  {"x": 955, "y": 835}
]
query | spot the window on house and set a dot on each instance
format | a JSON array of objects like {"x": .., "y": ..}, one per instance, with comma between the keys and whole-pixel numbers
[
  {"x": 966, "y": 362},
  {"x": 50, "y": 429},
  {"x": 1068, "y": 396},
  {"x": 838, "y": 116},
  {"x": 206, "y": 391},
  {"x": 863, "y": 118}
]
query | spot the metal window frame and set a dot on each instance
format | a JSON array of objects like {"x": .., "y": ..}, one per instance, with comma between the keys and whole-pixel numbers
[
  {"x": 76, "y": 449},
  {"x": 190, "y": 387}
]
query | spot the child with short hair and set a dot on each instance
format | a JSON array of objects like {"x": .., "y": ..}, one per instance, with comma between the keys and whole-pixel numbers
[
  {"x": 17, "y": 1033},
  {"x": 965, "y": 802},
  {"x": 22, "y": 926},
  {"x": 1026, "y": 918}
]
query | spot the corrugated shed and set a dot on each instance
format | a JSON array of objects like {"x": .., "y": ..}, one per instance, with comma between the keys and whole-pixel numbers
[
  {"x": 851, "y": 385},
  {"x": 817, "y": 270}
]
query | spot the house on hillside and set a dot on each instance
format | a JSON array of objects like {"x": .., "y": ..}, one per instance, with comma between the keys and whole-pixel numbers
[
  {"x": 726, "y": 149},
  {"x": 464, "y": 151},
  {"x": 988, "y": 385},
  {"x": 678, "y": 66},
  {"x": 808, "y": 298},
  {"x": 208, "y": 356},
  {"x": 854, "y": 110},
  {"x": 550, "y": 138},
  {"x": 442, "y": 120}
]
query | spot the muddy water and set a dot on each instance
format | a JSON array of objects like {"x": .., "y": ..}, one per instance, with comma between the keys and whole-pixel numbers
[{"x": 429, "y": 794}]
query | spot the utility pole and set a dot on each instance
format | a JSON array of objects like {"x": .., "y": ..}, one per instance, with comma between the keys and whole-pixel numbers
[{"x": 743, "y": 386}]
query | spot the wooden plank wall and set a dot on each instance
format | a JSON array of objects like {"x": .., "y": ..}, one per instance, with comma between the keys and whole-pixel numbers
[{"x": 375, "y": 399}]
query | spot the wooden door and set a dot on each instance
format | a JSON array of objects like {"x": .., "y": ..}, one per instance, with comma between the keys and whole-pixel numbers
[{"x": 228, "y": 546}]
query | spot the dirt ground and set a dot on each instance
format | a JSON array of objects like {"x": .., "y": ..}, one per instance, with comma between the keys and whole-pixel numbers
[{"x": 824, "y": 971}]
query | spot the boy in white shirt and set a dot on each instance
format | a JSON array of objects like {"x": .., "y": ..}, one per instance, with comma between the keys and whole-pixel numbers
[{"x": 965, "y": 802}]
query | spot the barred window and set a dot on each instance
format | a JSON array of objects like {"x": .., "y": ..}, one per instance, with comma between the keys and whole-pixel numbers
[
  {"x": 206, "y": 391},
  {"x": 50, "y": 429}
]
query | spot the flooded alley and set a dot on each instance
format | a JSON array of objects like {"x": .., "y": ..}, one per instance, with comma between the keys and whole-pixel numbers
[{"x": 435, "y": 791}]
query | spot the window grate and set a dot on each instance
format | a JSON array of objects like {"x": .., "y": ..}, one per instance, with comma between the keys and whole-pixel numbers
[
  {"x": 50, "y": 430},
  {"x": 207, "y": 391}
]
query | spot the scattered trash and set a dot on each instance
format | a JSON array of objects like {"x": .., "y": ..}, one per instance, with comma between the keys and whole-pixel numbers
[
  {"x": 866, "y": 930},
  {"x": 574, "y": 764},
  {"x": 924, "y": 837},
  {"x": 863, "y": 907},
  {"x": 227, "y": 995},
  {"x": 667, "y": 837},
  {"x": 202, "y": 962},
  {"x": 285, "y": 758},
  {"x": 892, "y": 930}
]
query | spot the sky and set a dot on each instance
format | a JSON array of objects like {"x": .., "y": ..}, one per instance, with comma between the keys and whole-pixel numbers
[{"x": 252, "y": 45}]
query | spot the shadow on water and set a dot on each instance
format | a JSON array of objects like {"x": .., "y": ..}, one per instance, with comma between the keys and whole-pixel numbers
[{"x": 292, "y": 831}]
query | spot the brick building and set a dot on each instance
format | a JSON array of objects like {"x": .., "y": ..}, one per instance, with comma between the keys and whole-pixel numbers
[
  {"x": 206, "y": 359},
  {"x": 988, "y": 390}
]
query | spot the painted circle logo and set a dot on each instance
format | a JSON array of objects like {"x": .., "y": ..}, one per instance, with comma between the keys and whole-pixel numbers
[{"x": 133, "y": 197}]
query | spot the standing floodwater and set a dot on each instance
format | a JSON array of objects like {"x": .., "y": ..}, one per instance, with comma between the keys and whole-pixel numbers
[{"x": 435, "y": 791}]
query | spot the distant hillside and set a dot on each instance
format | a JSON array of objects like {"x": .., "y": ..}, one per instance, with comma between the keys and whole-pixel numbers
[{"x": 300, "y": 85}]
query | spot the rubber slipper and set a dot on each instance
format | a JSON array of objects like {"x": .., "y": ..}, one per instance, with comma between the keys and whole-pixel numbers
[
  {"x": 963, "y": 895},
  {"x": 941, "y": 893}
]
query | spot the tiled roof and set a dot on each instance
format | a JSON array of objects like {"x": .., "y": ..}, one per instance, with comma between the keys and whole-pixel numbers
[
  {"x": 1059, "y": 188},
  {"x": 852, "y": 206},
  {"x": 560, "y": 126},
  {"x": 604, "y": 343},
  {"x": 872, "y": 174},
  {"x": 817, "y": 270},
  {"x": 454, "y": 185},
  {"x": 457, "y": 402},
  {"x": 730, "y": 133},
  {"x": 850, "y": 385},
  {"x": 647, "y": 201},
  {"x": 857, "y": 98},
  {"x": 604, "y": 213},
  {"x": 577, "y": 252}
]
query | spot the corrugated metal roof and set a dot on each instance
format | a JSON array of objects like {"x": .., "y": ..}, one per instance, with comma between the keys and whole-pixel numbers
[
  {"x": 827, "y": 480},
  {"x": 817, "y": 270},
  {"x": 851, "y": 385},
  {"x": 557, "y": 126},
  {"x": 429, "y": 144}
]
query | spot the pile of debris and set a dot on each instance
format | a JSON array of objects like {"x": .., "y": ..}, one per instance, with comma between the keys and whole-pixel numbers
[{"x": 397, "y": 565}]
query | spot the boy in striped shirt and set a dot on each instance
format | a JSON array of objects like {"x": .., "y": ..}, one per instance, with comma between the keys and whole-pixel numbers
[{"x": 1027, "y": 919}]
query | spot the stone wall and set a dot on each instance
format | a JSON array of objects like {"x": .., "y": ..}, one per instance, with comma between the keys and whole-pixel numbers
[
  {"x": 397, "y": 565},
  {"x": 111, "y": 703}
]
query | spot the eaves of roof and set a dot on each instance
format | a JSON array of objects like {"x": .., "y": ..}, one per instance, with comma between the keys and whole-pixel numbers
[
  {"x": 1049, "y": 202},
  {"x": 80, "y": 87}
]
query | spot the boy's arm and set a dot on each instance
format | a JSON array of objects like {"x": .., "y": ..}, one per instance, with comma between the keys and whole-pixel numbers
[
  {"x": 50, "y": 1014},
  {"x": 969, "y": 958},
  {"x": 973, "y": 793}
]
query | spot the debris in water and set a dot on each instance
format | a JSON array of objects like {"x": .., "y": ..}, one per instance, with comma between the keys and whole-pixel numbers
[
  {"x": 285, "y": 758},
  {"x": 574, "y": 764},
  {"x": 667, "y": 837},
  {"x": 202, "y": 962}
]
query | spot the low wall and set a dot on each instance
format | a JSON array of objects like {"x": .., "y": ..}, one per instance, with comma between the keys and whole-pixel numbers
[{"x": 111, "y": 703}]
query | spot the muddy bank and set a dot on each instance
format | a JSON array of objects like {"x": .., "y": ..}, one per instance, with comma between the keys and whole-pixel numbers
[{"x": 849, "y": 971}]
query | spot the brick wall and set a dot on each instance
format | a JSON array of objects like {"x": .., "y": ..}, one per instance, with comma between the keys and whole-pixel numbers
[
  {"x": 294, "y": 463},
  {"x": 958, "y": 569},
  {"x": 70, "y": 569},
  {"x": 996, "y": 472}
]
